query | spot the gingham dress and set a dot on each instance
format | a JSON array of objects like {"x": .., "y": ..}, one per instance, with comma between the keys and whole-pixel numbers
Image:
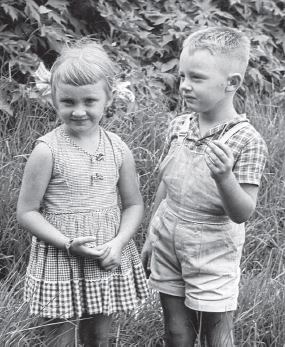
[{"x": 82, "y": 200}]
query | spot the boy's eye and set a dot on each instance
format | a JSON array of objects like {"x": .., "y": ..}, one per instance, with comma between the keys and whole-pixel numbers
[{"x": 67, "y": 101}]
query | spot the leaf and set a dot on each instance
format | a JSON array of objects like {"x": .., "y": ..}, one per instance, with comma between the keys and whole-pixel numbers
[
  {"x": 11, "y": 11},
  {"x": 181, "y": 24},
  {"x": 168, "y": 78},
  {"x": 59, "y": 5},
  {"x": 166, "y": 39},
  {"x": 43, "y": 10},
  {"x": 169, "y": 65},
  {"x": 155, "y": 17},
  {"x": 32, "y": 10},
  {"x": 4, "y": 105}
]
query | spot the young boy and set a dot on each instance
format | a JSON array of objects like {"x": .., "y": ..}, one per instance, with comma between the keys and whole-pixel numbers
[{"x": 209, "y": 187}]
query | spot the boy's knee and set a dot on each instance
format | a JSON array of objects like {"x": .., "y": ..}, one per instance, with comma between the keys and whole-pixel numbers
[{"x": 179, "y": 335}]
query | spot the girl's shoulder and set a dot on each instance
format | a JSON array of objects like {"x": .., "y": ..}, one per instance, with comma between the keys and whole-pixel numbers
[
  {"x": 114, "y": 139},
  {"x": 50, "y": 137},
  {"x": 118, "y": 146}
]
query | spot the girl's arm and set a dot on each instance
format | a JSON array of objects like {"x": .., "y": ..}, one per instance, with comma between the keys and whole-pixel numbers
[
  {"x": 36, "y": 178},
  {"x": 132, "y": 214}
]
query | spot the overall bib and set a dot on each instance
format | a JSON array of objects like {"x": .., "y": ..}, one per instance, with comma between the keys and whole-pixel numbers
[{"x": 196, "y": 247}]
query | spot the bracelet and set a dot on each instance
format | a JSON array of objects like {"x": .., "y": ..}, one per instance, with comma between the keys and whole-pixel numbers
[{"x": 67, "y": 245}]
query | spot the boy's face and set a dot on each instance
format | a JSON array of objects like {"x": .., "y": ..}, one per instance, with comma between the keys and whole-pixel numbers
[{"x": 203, "y": 80}]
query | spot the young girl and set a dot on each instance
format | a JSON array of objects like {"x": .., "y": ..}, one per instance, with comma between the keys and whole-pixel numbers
[
  {"x": 83, "y": 261},
  {"x": 209, "y": 187}
]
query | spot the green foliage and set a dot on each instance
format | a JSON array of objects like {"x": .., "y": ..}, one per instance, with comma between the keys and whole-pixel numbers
[
  {"x": 30, "y": 30},
  {"x": 152, "y": 33},
  {"x": 145, "y": 36}
]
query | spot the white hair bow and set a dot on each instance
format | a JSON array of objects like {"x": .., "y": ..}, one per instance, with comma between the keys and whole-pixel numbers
[{"x": 42, "y": 79}]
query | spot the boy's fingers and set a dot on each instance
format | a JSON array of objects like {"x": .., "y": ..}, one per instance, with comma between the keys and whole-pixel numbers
[
  {"x": 223, "y": 147},
  {"x": 210, "y": 161}
]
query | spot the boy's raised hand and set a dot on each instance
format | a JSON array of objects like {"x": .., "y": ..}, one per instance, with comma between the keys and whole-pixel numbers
[{"x": 219, "y": 159}]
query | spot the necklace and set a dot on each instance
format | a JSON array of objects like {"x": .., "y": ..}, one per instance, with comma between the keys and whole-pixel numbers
[{"x": 94, "y": 158}]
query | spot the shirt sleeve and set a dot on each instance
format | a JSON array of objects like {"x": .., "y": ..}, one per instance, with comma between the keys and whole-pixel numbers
[{"x": 251, "y": 161}]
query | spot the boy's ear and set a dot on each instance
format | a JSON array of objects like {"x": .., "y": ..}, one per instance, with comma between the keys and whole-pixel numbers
[{"x": 234, "y": 82}]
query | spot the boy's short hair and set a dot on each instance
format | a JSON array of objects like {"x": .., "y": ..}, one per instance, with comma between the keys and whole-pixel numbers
[
  {"x": 80, "y": 63},
  {"x": 230, "y": 42}
]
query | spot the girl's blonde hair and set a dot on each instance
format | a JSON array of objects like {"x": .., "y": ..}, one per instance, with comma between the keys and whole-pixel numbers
[
  {"x": 233, "y": 44},
  {"x": 80, "y": 63}
]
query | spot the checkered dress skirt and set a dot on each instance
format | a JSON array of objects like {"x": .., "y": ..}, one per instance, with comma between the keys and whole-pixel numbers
[{"x": 82, "y": 200}]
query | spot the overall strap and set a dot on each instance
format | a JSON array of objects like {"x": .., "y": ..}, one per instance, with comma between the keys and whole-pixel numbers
[
  {"x": 184, "y": 129},
  {"x": 232, "y": 131}
]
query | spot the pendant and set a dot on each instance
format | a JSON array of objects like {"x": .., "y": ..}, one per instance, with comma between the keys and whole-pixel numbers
[{"x": 96, "y": 177}]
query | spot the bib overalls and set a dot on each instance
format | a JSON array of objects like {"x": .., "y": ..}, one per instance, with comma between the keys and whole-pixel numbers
[{"x": 196, "y": 247}]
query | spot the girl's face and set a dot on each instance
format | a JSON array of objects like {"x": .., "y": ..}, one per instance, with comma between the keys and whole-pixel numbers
[{"x": 81, "y": 107}]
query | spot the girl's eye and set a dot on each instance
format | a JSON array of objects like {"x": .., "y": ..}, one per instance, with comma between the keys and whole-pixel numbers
[{"x": 90, "y": 101}]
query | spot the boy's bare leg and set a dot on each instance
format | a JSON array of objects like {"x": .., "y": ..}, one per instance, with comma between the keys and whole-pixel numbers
[
  {"x": 59, "y": 333},
  {"x": 218, "y": 328},
  {"x": 180, "y": 322},
  {"x": 94, "y": 330}
]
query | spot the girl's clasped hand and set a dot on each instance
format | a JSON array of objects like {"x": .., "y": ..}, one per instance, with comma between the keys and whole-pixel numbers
[{"x": 108, "y": 254}]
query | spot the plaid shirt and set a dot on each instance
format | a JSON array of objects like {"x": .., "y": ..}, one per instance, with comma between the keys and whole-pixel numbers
[{"x": 248, "y": 147}]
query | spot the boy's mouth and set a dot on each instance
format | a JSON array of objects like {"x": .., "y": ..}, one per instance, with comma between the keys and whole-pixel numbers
[{"x": 188, "y": 97}]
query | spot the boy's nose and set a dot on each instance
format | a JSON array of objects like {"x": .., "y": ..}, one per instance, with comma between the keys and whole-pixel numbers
[{"x": 185, "y": 86}]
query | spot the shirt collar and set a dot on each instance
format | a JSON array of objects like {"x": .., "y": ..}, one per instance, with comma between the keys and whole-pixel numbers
[{"x": 217, "y": 129}]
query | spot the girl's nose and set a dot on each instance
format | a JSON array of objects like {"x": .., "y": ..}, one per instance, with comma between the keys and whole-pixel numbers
[{"x": 78, "y": 112}]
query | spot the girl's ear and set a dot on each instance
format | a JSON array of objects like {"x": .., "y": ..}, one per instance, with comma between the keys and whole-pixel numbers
[{"x": 234, "y": 82}]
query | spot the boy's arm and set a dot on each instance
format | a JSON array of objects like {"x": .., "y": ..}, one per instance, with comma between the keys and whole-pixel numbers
[
  {"x": 239, "y": 200},
  {"x": 146, "y": 250},
  {"x": 159, "y": 196}
]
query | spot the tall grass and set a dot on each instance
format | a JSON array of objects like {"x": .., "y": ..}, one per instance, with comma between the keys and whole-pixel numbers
[{"x": 259, "y": 320}]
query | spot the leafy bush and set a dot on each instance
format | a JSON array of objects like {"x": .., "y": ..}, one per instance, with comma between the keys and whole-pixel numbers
[{"x": 140, "y": 35}]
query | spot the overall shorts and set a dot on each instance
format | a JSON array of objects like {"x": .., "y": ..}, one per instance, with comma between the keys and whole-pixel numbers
[{"x": 196, "y": 247}]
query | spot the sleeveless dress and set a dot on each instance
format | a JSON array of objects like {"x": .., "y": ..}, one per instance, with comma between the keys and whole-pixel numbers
[{"x": 82, "y": 200}]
